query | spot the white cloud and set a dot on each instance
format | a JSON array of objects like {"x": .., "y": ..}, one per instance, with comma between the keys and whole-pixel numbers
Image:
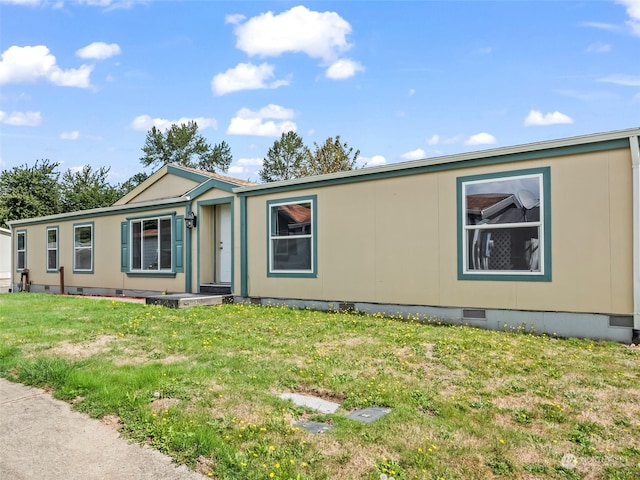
[
  {"x": 624, "y": 80},
  {"x": 412, "y": 92},
  {"x": 145, "y": 122},
  {"x": 32, "y": 63},
  {"x": 536, "y": 118},
  {"x": 250, "y": 162},
  {"x": 318, "y": 34},
  {"x": 343, "y": 68},
  {"x": 438, "y": 140},
  {"x": 234, "y": 19},
  {"x": 416, "y": 154},
  {"x": 374, "y": 161},
  {"x": 245, "y": 76},
  {"x": 633, "y": 10},
  {"x": 22, "y": 2},
  {"x": 249, "y": 122},
  {"x": 74, "y": 135},
  {"x": 599, "y": 47},
  {"x": 481, "y": 139},
  {"x": 99, "y": 50},
  {"x": 601, "y": 26},
  {"x": 236, "y": 170},
  {"x": 21, "y": 119}
]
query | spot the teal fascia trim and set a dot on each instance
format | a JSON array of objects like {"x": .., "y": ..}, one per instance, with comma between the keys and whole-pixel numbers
[
  {"x": 314, "y": 237},
  {"x": 108, "y": 212},
  {"x": 46, "y": 249},
  {"x": 546, "y": 222},
  {"x": 93, "y": 247},
  {"x": 361, "y": 175},
  {"x": 188, "y": 174},
  {"x": 210, "y": 184},
  {"x": 243, "y": 247},
  {"x": 221, "y": 201},
  {"x": 188, "y": 255}
]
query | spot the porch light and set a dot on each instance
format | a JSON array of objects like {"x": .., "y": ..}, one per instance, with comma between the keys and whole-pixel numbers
[{"x": 190, "y": 220}]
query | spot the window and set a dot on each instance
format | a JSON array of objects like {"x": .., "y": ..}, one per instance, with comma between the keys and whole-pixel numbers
[
  {"x": 52, "y": 249},
  {"x": 292, "y": 233},
  {"x": 83, "y": 248},
  {"x": 21, "y": 250},
  {"x": 151, "y": 244},
  {"x": 504, "y": 226}
]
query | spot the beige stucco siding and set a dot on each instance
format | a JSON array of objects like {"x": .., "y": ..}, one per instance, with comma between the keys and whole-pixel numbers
[
  {"x": 394, "y": 240},
  {"x": 106, "y": 256},
  {"x": 168, "y": 186}
]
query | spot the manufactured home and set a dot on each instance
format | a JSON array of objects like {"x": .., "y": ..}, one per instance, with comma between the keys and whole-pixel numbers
[{"x": 544, "y": 236}]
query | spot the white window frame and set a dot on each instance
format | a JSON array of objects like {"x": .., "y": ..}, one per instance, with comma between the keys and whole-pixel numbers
[
  {"x": 142, "y": 268},
  {"x": 23, "y": 250},
  {"x": 56, "y": 249},
  {"x": 272, "y": 238},
  {"x": 77, "y": 249},
  {"x": 543, "y": 248}
]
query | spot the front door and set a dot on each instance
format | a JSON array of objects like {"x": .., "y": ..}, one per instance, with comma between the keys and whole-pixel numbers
[{"x": 223, "y": 238}]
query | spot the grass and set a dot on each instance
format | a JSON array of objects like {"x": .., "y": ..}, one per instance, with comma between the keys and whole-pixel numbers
[{"x": 202, "y": 385}]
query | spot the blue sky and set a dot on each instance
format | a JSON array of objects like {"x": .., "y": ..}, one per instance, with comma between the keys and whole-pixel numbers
[{"x": 81, "y": 82}]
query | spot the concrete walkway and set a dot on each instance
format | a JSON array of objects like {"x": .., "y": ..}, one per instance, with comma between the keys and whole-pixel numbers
[{"x": 42, "y": 438}]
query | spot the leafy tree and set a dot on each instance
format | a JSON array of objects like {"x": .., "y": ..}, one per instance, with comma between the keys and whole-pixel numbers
[
  {"x": 86, "y": 189},
  {"x": 27, "y": 192},
  {"x": 332, "y": 156},
  {"x": 285, "y": 159},
  {"x": 183, "y": 145},
  {"x": 131, "y": 183},
  {"x": 220, "y": 156}
]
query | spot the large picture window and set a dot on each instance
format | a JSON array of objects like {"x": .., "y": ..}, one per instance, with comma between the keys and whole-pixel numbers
[
  {"x": 151, "y": 244},
  {"x": 52, "y": 249},
  {"x": 21, "y": 250},
  {"x": 292, "y": 234},
  {"x": 83, "y": 248},
  {"x": 504, "y": 226}
]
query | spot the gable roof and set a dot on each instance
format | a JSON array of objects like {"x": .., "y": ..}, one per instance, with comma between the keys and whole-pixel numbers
[{"x": 197, "y": 177}]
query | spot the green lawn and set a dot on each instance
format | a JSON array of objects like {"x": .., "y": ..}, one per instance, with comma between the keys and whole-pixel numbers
[{"x": 202, "y": 385}]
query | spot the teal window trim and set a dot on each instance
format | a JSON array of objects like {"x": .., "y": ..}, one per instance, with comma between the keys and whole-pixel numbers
[
  {"x": 220, "y": 201},
  {"x": 92, "y": 248},
  {"x": 244, "y": 287},
  {"x": 56, "y": 267},
  {"x": 545, "y": 226},
  {"x": 177, "y": 243},
  {"x": 21, "y": 265},
  {"x": 313, "y": 272}
]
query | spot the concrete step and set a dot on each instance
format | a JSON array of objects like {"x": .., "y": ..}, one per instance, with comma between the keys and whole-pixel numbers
[
  {"x": 185, "y": 300},
  {"x": 216, "y": 289}
]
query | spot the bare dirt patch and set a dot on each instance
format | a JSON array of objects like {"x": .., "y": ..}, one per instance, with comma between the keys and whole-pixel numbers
[
  {"x": 162, "y": 404},
  {"x": 101, "y": 344}
]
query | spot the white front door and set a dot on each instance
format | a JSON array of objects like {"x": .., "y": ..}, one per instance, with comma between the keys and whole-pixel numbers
[{"x": 224, "y": 243}]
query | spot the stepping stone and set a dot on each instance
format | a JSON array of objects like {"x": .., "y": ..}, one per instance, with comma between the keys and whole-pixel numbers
[
  {"x": 315, "y": 427},
  {"x": 314, "y": 403},
  {"x": 368, "y": 415}
]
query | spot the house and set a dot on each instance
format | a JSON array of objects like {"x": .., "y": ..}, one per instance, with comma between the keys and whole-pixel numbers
[
  {"x": 5, "y": 260},
  {"x": 543, "y": 236}
]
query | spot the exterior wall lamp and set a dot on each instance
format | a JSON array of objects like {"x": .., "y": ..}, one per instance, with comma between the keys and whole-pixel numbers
[{"x": 191, "y": 220}]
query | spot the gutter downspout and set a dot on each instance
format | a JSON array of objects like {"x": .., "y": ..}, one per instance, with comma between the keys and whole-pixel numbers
[{"x": 635, "y": 164}]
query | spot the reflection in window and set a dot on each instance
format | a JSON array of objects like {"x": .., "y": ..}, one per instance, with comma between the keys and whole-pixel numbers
[
  {"x": 291, "y": 237},
  {"x": 151, "y": 244},
  {"x": 502, "y": 225},
  {"x": 52, "y": 248},
  {"x": 21, "y": 250},
  {"x": 83, "y": 248}
]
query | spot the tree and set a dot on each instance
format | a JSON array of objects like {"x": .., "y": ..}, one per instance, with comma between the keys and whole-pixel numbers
[
  {"x": 285, "y": 159},
  {"x": 182, "y": 145},
  {"x": 131, "y": 183},
  {"x": 27, "y": 192},
  {"x": 86, "y": 189},
  {"x": 332, "y": 156}
]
